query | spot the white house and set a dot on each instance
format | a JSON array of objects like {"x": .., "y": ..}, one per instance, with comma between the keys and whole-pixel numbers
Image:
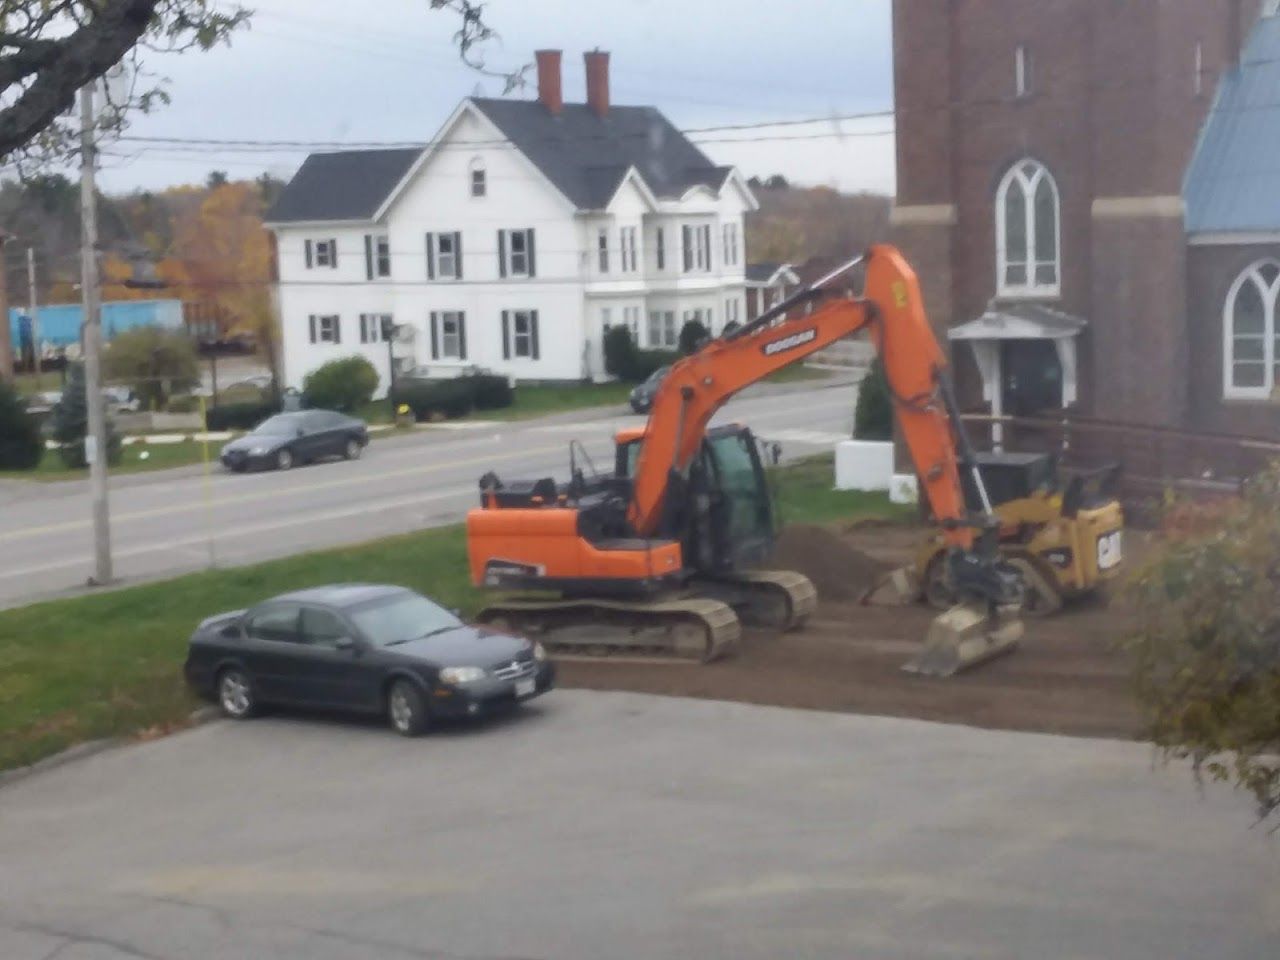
[{"x": 512, "y": 241}]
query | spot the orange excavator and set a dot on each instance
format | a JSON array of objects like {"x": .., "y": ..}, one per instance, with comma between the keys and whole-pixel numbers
[{"x": 662, "y": 557}]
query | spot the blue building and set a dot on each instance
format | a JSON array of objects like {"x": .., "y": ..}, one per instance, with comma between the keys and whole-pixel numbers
[{"x": 60, "y": 323}]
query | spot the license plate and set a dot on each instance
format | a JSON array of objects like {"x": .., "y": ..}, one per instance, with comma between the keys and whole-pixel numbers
[
  {"x": 1109, "y": 550},
  {"x": 526, "y": 687}
]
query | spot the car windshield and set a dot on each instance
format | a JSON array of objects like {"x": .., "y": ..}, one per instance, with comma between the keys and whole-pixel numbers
[
  {"x": 658, "y": 375},
  {"x": 400, "y": 617},
  {"x": 282, "y": 425}
]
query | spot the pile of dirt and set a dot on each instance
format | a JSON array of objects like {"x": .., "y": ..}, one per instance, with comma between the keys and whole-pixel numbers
[
  {"x": 838, "y": 570},
  {"x": 1065, "y": 678}
]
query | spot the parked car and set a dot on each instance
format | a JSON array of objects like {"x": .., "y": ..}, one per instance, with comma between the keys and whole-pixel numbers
[
  {"x": 364, "y": 648},
  {"x": 292, "y": 438},
  {"x": 642, "y": 395},
  {"x": 120, "y": 399}
]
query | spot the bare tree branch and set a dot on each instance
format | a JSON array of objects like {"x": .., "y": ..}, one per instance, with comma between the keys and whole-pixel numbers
[{"x": 49, "y": 50}]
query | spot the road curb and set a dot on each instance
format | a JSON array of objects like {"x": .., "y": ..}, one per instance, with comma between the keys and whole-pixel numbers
[{"x": 90, "y": 748}]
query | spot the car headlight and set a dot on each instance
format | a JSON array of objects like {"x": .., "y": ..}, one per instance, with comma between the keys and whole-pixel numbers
[
  {"x": 457, "y": 676},
  {"x": 539, "y": 651},
  {"x": 258, "y": 451}
]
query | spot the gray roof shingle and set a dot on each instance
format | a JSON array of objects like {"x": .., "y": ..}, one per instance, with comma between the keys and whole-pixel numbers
[
  {"x": 350, "y": 185},
  {"x": 586, "y": 156},
  {"x": 1233, "y": 183}
]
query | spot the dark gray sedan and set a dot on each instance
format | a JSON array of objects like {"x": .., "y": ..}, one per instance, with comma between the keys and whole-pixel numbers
[
  {"x": 288, "y": 439},
  {"x": 364, "y": 648},
  {"x": 641, "y": 398}
]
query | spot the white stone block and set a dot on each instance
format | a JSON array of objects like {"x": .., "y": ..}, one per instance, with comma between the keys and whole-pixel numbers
[
  {"x": 864, "y": 464},
  {"x": 904, "y": 488}
]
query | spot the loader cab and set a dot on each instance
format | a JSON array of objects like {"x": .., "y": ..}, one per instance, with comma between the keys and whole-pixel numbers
[{"x": 724, "y": 518}]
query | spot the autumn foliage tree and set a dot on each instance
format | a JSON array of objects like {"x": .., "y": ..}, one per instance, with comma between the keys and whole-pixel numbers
[
  {"x": 794, "y": 224},
  {"x": 1207, "y": 644}
]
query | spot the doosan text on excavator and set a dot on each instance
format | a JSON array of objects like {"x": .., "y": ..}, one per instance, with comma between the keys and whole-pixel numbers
[{"x": 666, "y": 556}]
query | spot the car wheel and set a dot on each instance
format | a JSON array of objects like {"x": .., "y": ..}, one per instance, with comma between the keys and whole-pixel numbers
[
  {"x": 235, "y": 694},
  {"x": 352, "y": 450},
  {"x": 284, "y": 459},
  {"x": 406, "y": 709}
]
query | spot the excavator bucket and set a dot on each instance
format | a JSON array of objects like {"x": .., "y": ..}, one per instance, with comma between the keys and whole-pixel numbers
[{"x": 966, "y": 635}]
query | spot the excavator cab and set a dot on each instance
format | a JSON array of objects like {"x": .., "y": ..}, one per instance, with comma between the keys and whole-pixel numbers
[{"x": 724, "y": 516}]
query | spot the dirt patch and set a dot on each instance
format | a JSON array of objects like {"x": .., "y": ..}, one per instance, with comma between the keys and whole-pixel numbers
[
  {"x": 1065, "y": 678},
  {"x": 838, "y": 569}
]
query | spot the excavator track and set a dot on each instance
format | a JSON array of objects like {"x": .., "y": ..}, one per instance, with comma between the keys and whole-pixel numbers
[
  {"x": 773, "y": 599},
  {"x": 689, "y": 629}
]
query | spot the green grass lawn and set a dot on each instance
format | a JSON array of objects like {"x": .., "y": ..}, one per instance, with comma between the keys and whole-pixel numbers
[
  {"x": 159, "y": 456},
  {"x": 30, "y": 383},
  {"x": 536, "y": 400},
  {"x": 109, "y": 664},
  {"x": 803, "y": 493}
]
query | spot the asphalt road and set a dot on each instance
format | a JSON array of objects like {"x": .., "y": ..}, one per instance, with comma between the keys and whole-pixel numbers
[
  {"x": 177, "y": 521},
  {"x": 625, "y": 826}
]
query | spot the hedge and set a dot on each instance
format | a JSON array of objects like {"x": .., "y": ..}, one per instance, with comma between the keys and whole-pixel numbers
[
  {"x": 647, "y": 361},
  {"x": 344, "y": 384},
  {"x": 492, "y": 392},
  {"x": 238, "y": 416},
  {"x": 456, "y": 397}
]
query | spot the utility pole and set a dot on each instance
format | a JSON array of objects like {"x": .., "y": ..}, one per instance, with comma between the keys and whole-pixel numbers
[
  {"x": 96, "y": 441},
  {"x": 31, "y": 311}
]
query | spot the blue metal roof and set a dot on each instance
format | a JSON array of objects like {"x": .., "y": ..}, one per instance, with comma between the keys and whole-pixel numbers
[{"x": 1233, "y": 183}]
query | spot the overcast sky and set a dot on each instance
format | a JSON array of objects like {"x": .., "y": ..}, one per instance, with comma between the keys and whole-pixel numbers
[{"x": 382, "y": 70}]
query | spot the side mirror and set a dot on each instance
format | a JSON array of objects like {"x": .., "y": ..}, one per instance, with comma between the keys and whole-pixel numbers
[
  {"x": 456, "y": 612},
  {"x": 301, "y": 432}
]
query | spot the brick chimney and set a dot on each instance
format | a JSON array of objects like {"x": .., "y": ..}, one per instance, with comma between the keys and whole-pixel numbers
[
  {"x": 598, "y": 82},
  {"x": 550, "y": 93}
]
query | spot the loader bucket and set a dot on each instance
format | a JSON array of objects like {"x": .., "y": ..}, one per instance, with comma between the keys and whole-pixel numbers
[{"x": 963, "y": 637}]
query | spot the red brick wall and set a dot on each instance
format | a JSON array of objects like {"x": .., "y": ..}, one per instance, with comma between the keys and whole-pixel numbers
[{"x": 1112, "y": 112}]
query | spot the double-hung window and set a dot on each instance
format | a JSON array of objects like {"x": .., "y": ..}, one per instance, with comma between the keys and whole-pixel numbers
[
  {"x": 697, "y": 248},
  {"x": 628, "y": 253},
  {"x": 444, "y": 256},
  {"x": 377, "y": 256},
  {"x": 662, "y": 329},
  {"x": 325, "y": 328},
  {"x": 516, "y": 253},
  {"x": 631, "y": 317},
  {"x": 520, "y": 334},
  {"x": 448, "y": 335},
  {"x": 730, "y": 244},
  {"x": 602, "y": 249},
  {"x": 372, "y": 327},
  {"x": 321, "y": 253}
]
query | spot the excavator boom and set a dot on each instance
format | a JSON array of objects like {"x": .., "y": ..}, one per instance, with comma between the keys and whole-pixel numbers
[{"x": 893, "y": 314}]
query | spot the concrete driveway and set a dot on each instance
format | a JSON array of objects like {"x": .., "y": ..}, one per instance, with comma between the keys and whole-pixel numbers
[{"x": 615, "y": 826}]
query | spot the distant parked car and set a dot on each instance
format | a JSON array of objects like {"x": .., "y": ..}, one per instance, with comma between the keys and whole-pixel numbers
[
  {"x": 642, "y": 396},
  {"x": 364, "y": 648},
  {"x": 120, "y": 399},
  {"x": 288, "y": 439}
]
